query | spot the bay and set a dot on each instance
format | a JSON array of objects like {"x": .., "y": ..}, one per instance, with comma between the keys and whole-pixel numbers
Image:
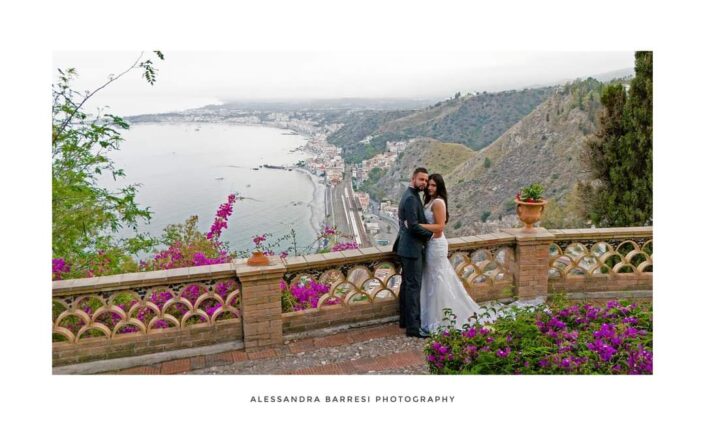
[{"x": 189, "y": 169}]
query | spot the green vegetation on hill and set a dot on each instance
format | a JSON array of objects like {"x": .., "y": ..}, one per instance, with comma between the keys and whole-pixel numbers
[
  {"x": 473, "y": 120},
  {"x": 357, "y": 126},
  {"x": 370, "y": 185}
]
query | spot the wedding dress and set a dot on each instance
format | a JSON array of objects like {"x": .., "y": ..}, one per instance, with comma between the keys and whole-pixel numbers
[{"x": 441, "y": 287}]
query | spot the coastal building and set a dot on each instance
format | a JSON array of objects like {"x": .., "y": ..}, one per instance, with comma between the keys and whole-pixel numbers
[
  {"x": 372, "y": 227},
  {"x": 389, "y": 208}
]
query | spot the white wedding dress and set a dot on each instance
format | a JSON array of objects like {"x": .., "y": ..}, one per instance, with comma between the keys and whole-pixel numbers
[{"x": 441, "y": 287}]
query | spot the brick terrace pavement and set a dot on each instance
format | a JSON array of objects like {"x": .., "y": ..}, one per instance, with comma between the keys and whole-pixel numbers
[{"x": 372, "y": 350}]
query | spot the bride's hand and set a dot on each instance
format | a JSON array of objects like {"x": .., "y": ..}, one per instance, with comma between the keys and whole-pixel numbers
[{"x": 437, "y": 234}]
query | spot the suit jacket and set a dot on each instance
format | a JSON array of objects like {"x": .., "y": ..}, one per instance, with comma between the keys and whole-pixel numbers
[{"x": 412, "y": 237}]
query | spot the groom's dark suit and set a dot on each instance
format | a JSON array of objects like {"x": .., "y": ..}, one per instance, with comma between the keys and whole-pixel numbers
[{"x": 409, "y": 245}]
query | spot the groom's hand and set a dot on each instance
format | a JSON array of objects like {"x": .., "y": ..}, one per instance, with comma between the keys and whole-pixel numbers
[{"x": 437, "y": 234}]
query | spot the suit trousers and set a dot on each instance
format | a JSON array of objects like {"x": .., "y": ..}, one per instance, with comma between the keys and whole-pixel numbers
[{"x": 410, "y": 294}]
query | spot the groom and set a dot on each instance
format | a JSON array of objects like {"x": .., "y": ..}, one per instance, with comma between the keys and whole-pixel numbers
[{"x": 409, "y": 245}]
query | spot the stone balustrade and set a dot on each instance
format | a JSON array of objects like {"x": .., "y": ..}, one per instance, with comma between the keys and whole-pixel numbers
[{"x": 146, "y": 312}]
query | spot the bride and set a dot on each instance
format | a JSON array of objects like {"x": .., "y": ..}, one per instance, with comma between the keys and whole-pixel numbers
[{"x": 441, "y": 287}]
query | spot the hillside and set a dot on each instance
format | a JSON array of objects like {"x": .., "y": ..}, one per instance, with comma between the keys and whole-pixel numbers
[
  {"x": 472, "y": 120},
  {"x": 544, "y": 147},
  {"x": 357, "y": 125},
  {"x": 436, "y": 156}
]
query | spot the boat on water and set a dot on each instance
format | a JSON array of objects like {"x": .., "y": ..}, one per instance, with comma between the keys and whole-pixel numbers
[
  {"x": 255, "y": 168},
  {"x": 269, "y": 166}
]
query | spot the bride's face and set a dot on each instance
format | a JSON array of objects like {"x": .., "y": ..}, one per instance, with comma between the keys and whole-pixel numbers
[{"x": 432, "y": 188}]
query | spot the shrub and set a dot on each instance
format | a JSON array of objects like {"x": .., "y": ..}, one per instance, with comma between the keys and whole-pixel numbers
[{"x": 556, "y": 339}]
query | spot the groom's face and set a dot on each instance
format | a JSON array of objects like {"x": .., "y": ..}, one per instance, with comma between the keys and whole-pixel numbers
[{"x": 420, "y": 180}]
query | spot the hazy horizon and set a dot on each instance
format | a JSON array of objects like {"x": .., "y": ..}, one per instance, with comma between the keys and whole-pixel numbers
[{"x": 188, "y": 80}]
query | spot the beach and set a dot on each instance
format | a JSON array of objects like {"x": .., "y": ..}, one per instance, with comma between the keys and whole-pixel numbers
[{"x": 317, "y": 203}]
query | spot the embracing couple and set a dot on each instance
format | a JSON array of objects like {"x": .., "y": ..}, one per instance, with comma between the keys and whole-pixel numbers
[{"x": 429, "y": 282}]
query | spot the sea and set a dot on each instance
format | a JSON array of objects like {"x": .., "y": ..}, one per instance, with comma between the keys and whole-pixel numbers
[{"x": 187, "y": 169}]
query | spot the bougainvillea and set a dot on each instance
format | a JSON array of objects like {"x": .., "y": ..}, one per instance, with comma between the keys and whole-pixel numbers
[
  {"x": 557, "y": 339},
  {"x": 351, "y": 245},
  {"x": 304, "y": 295}
]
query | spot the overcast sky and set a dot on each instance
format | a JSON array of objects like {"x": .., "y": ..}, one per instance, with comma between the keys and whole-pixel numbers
[{"x": 192, "y": 79}]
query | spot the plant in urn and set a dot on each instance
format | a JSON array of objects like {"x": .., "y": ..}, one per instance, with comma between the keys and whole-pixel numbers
[
  {"x": 530, "y": 204},
  {"x": 259, "y": 256}
]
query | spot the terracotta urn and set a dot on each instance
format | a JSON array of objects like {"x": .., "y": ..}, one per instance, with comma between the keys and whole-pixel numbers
[
  {"x": 258, "y": 259},
  {"x": 529, "y": 212}
]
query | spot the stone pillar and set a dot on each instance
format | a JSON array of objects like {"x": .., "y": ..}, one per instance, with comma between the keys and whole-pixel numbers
[
  {"x": 531, "y": 269},
  {"x": 260, "y": 304}
]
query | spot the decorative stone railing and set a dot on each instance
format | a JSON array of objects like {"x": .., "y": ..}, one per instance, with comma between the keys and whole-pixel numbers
[
  {"x": 146, "y": 312},
  {"x": 592, "y": 260}
]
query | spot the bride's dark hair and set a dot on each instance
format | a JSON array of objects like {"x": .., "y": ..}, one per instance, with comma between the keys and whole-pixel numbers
[{"x": 441, "y": 191}]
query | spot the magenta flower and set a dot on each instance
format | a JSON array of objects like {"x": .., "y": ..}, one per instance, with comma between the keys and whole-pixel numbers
[
  {"x": 503, "y": 353},
  {"x": 221, "y": 218},
  {"x": 58, "y": 268},
  {"x": 345, "y": 246}
]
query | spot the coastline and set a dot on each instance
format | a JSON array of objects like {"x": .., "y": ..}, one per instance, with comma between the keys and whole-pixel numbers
[{"x": 316, "y": 204}]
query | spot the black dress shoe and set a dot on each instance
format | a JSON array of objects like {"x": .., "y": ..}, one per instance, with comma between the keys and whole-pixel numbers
[
  {"x": 402, "y": 325},
  {"x": 419, "y": 334}
]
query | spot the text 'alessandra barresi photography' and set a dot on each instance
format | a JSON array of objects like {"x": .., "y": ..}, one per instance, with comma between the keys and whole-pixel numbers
[
  {"x": 356, "y": 399},
  {"x": 487, "y": 213}
]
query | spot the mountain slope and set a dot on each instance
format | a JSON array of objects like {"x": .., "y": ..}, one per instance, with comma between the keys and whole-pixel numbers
[
  {"x": 472, "y": 120},
  {"x": 436, "y": 156},
  {"x": 544, "y": 147},
  {"x": 357, "y": 125}
]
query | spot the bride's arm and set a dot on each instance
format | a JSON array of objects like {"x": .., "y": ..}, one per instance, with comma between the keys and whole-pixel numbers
[
  {"x": 433, "y": 227},
  {"x": 439, "y": 216}
]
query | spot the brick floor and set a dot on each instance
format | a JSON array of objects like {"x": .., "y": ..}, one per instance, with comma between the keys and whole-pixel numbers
[
  {"x": 303, "y": 345},
  {"x": 268, "y": 353},
  {"x": 357, "y": 366},
  {"x": 339, "y": 368},
  {"x": 333, "y": 340},
  {"x": 176, "y": 366},
  {"x": 140, "y": 370},
  {"x": 366, "y": 365},
  {"x": 218, "y": 359},
  {"x": 198, "y": 362},
  {"x": 239, "y": 356}
]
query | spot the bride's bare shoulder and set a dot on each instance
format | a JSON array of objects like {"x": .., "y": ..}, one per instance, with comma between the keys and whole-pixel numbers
[{"x": 439, "y": 201}]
